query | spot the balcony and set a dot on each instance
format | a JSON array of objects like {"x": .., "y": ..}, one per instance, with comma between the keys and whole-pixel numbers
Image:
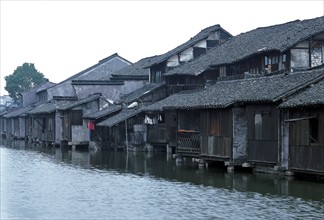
[{"x": 188, "y": 143}]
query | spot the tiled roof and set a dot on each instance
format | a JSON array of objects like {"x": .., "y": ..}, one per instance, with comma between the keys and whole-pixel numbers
[
  {"x": 137, "y": 94},
  {"x": 135, "y": 69},
  {"x": 80, "y": 102},
  {"x": 99, "y": 69},
  {"x": 18, "y": 112},
  {"x": 49, "y": 107},
  {"x": 203, "y": 34},
  {"x": 226, "y": 93},
  {"x": 41, "y": 87},
  {"x": 273, "y": 38},
  {"x": 120, "y": 117},
  {"x": 103, "y": 112},
  {"x": 312, "y": 96},
  {"x": 3, "y": 113}
]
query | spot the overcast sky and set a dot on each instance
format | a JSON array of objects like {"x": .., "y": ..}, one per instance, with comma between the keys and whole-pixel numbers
[{"x": 63, "y": 38}]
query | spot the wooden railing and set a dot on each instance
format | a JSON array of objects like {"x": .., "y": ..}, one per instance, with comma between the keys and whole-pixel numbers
[
  {"x": 188, "y": 143},
  {"x": 307, "y": 158},
  {"x": 216, "y": 146}
]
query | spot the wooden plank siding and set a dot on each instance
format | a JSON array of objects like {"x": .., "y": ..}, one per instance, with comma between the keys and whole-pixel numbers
[
  {"x": 216, "y": 138},
  {"x": 213, "y": 146},
  {"x": 43, "y": 127},
  {"x": 306, "y": 140},
  {"x": 70, "y": 118},
  {"x": 171, "y": 123},
  {"x": 156, "y": 134},
  {"x": 208, "y": 134},
  {"x": 262, "y": 133}
]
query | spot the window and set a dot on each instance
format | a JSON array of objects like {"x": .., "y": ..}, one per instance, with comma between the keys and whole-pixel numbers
[
  {"x": 267, "y": 60},
  {"x": 76, "y": 117},
  {"x": 222, "y": 71},
  {"x": 313, "y": 130},
  {"x": 274, "y": 59},
  {"x": 258, "y": 126},
  {"x": 158, "y": 76},
  {"x": 284, "y": 58},
  {"x": 42, "y": 96}
]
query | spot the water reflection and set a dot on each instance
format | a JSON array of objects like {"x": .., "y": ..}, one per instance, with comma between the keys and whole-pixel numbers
[{"x": 163, "y": 166}]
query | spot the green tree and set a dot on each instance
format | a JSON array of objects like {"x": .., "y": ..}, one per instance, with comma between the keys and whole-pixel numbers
[{"x": 23, "y": 78}]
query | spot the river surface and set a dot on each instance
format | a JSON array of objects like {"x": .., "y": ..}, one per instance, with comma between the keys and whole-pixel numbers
[{"x": 54, "y": 183}]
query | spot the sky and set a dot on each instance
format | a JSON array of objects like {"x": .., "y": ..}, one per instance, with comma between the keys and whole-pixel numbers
[{"x": 62, "y": 38}]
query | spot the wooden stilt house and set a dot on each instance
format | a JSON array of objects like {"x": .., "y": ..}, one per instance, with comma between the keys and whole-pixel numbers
[
  {"x": 125, "y": 129},
  {"x": 235, "y": 121},
  {"x": 44, "y": 122},
  {"x": 305, "y": 130},
  {"x": 100, "y": 134},
  {"x": 75, "y": 129},
  {"x": 15, "y": 122}
]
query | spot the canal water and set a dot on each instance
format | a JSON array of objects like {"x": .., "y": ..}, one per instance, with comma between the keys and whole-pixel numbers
[{"x": 55, "y": 183}]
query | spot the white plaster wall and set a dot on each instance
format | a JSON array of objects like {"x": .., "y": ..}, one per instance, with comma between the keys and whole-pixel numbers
[
  {"x": 214, "y": 36},
  {"x": 64, "y": 89},
  {"x": 202, "y": 44},
  {"x": 186, "y": 55},
  {"x": 79, "y": 133},
  {"x": 173, "y": 61}
]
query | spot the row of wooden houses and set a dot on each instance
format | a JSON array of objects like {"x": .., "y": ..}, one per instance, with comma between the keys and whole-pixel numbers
[{"x": 252, "y": 100}]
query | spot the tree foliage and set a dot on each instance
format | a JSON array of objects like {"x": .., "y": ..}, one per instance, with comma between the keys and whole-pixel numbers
[{"x": 23, "y": 78}]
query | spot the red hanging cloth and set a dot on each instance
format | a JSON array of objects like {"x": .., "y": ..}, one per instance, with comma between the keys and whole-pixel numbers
[{"x": 91, "y": 125}]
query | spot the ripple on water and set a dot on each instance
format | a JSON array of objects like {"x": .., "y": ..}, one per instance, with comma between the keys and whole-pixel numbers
[{"x": 36, "y": 186}]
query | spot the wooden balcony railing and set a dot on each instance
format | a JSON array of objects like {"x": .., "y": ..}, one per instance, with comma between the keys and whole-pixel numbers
[{"x": 188, "y": 143}]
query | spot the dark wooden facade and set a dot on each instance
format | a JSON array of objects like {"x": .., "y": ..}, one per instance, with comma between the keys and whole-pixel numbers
[
  {"x": 216, "y": 134},
  {"x": 163, "y": 133},
  {"x": 205, "y": 133},
  {"x": 41, "y": 127},
  {"x": 70, "y": 118},
  {"x": 177, "y": 83},
  {"x": 263, "y": 122},
  {"x": 263, "y": 63},
  {"x": 306, "y": 140}
]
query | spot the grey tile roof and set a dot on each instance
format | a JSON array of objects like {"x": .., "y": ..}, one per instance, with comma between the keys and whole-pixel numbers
[
  {"x": 203, "y": 34},
  {"x": 226, "y": 93},
  {"x": 99, "y": 69},
  {"x": 120, "y": 117},
  {"x": 79, "y": 102},
  {"x": 3, "y": 112},
  {"x": 311, "y": 97},
  {"x": 136, "y": 69},
  {"x": 49, "y": 107},
  {"x": 103, "y": 112},
  {"x": 273, "y": 38},
  {"x": 18, "y": 112},
  {"x": 41, "y": 87},
  {"x": 137, "y": 94}
]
